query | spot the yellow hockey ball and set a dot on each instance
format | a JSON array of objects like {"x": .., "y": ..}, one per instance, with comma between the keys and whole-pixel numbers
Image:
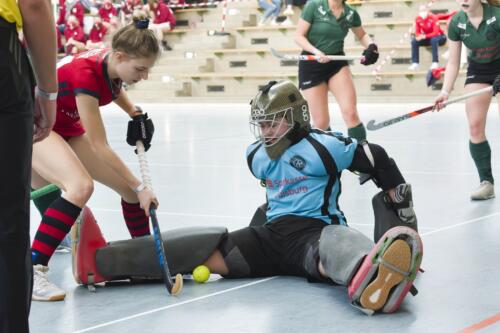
[{"x": 201, "y": 274}]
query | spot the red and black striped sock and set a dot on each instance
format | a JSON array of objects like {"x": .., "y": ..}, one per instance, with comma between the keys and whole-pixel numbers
[
  {"x": 56, "y": 223},
  {"x": 136, "y": 219}
]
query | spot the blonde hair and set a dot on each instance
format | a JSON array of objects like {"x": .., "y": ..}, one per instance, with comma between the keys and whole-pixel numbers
[
  {"x": 494, "y": 2},
  {"x": 135, "y": 39}
]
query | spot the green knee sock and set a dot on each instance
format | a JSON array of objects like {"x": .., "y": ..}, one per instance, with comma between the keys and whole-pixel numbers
[
  {"x": 481, "y": 154},
  {"x": 43, "y": 202},
  {"x": 358, "y": 132}
]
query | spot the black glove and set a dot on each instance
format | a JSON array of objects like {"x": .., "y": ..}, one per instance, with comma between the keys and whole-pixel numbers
[
  {"x": 140, "y": 128},
  {"x": 370, "y": 54},
  {"x": 496, "y": 85}
]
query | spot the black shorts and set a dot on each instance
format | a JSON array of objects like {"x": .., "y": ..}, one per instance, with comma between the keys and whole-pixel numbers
[
  {"x": 312, "y": 73},
  {"x": 482, "y": 73},
  {"x": 287, "y": 246}
]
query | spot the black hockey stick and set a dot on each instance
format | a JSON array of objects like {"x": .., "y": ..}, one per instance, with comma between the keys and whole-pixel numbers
[
  {"x": 372, "y": 126},
  {"x": 173, "y": 288},
  {"x": 308, "y": 57}
]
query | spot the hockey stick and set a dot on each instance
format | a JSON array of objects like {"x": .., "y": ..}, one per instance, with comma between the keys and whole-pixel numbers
[
  {"x": 42, "y": 191},
  {"x": 173, "y": 288},
  {"x": 372, "y": 126},
  {"x": 305, "y": 57}
]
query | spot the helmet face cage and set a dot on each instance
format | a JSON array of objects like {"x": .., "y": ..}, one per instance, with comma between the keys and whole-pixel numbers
[{"x": 265, "y": 126}]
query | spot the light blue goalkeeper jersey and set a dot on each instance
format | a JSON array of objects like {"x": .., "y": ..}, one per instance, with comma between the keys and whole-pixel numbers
[{"x": 305, "y": 180}]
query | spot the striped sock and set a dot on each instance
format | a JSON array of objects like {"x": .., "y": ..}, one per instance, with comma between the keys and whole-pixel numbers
[
  {"x": 136, "y": 219},
  {"x": 56, "y": 223}
]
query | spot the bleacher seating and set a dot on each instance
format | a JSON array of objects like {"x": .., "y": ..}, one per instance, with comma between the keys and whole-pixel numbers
[{"x": 205, "y": 65}]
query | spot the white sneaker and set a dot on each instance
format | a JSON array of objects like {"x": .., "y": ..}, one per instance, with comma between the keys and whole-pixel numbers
[
  {"x": 274, "y": 22},
  {"x": 434, "y": 65},
  {"x": 485, "y": 191},
  {"x": 413, "y": 67},
  {"x": 288, "y": 11},
  {"x": 262, "y": 22},
  {"x": 287, "y": 22},
  {"x": 43, "y": 289}
]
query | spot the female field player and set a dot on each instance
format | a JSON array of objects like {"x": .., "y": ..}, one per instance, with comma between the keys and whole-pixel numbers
[
  {"x": 477, "y": 27},
  {"x": 321, "y": 31},
  {"x": 76, "y": 152}
]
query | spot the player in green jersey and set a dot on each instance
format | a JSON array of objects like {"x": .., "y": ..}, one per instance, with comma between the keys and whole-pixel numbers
[
  {"x": 477, "y": 27},
  {"x": 321, "y": 31}
]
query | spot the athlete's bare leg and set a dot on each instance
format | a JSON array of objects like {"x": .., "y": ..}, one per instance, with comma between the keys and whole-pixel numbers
[
  {"x": 66, "y": 171},
  {"x": 342, "y": 87},
  {"x": 317, "y": 99}
]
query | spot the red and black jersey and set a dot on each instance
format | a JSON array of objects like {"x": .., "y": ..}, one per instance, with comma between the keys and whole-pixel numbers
[{"x": 85, "y": 73}]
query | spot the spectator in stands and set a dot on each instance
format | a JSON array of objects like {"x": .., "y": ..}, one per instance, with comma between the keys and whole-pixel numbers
[
  {"x": 321, "y": 31},
  {"x": 96, "y": 34},
  {"x": 163, "y": 20},
  {"x": 61, "y": 15},
  {"x": 427, "y": 32},
  {"x": 128, "y": 7},
  {"x": 76, "y": 9},
  {"x": 75, "y": 37},
  {"x": 107, "y": 11},
  {"x": 271, "y": 11}
]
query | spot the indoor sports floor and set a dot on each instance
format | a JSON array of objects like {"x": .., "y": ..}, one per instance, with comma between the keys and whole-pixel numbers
[{"x": 200, "y": 175}]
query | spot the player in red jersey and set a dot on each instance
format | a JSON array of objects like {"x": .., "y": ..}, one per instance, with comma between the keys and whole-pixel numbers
[{"x": 77, "y": 152}]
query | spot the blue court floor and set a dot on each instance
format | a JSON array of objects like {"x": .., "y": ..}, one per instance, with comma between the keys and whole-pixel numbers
[{"x": 200, "y": 175}]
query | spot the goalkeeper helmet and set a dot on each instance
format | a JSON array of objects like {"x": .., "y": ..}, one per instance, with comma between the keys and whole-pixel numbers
[{"x": 279, "y": 117}]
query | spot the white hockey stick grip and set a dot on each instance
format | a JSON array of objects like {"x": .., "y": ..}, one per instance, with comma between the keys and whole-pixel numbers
[
  {"x": 465, "y": 96},
  {"x": 143, "y": 164}
]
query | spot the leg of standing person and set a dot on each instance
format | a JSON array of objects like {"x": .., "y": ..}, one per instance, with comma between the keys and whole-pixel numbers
[
  {"x": 276, "y": 11},
  {"x": 68, "y": 173},
  {"x": 135, "y": 218},
  {"x": 476, "y": 109},
  {"x": 16, "y": 135},
  {"x": 342, "y": 87},
  {"x": 317, "y": 99},
  {"x": 268, "y": 10}
]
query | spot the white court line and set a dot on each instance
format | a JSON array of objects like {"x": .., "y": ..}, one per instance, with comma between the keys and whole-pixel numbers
[
  {"x": 175, "y": 305},
  {"x": 460, "y": 224}
]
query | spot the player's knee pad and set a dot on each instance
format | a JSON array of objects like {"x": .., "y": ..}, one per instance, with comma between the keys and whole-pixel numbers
[
  {"x": 341, "y": 250},
  {"x": 389, "y": 214},
  {"x": 388, "y": 271},
  {"x": 234, "y": 259},
  {"x": 259, "y": 217},
  {"x": 185, "y": 248}
]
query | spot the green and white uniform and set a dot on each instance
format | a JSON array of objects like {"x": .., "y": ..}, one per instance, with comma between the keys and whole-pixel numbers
[
  {"x": 483, "y": 43},
  {"x": 327, "y": 34}
]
